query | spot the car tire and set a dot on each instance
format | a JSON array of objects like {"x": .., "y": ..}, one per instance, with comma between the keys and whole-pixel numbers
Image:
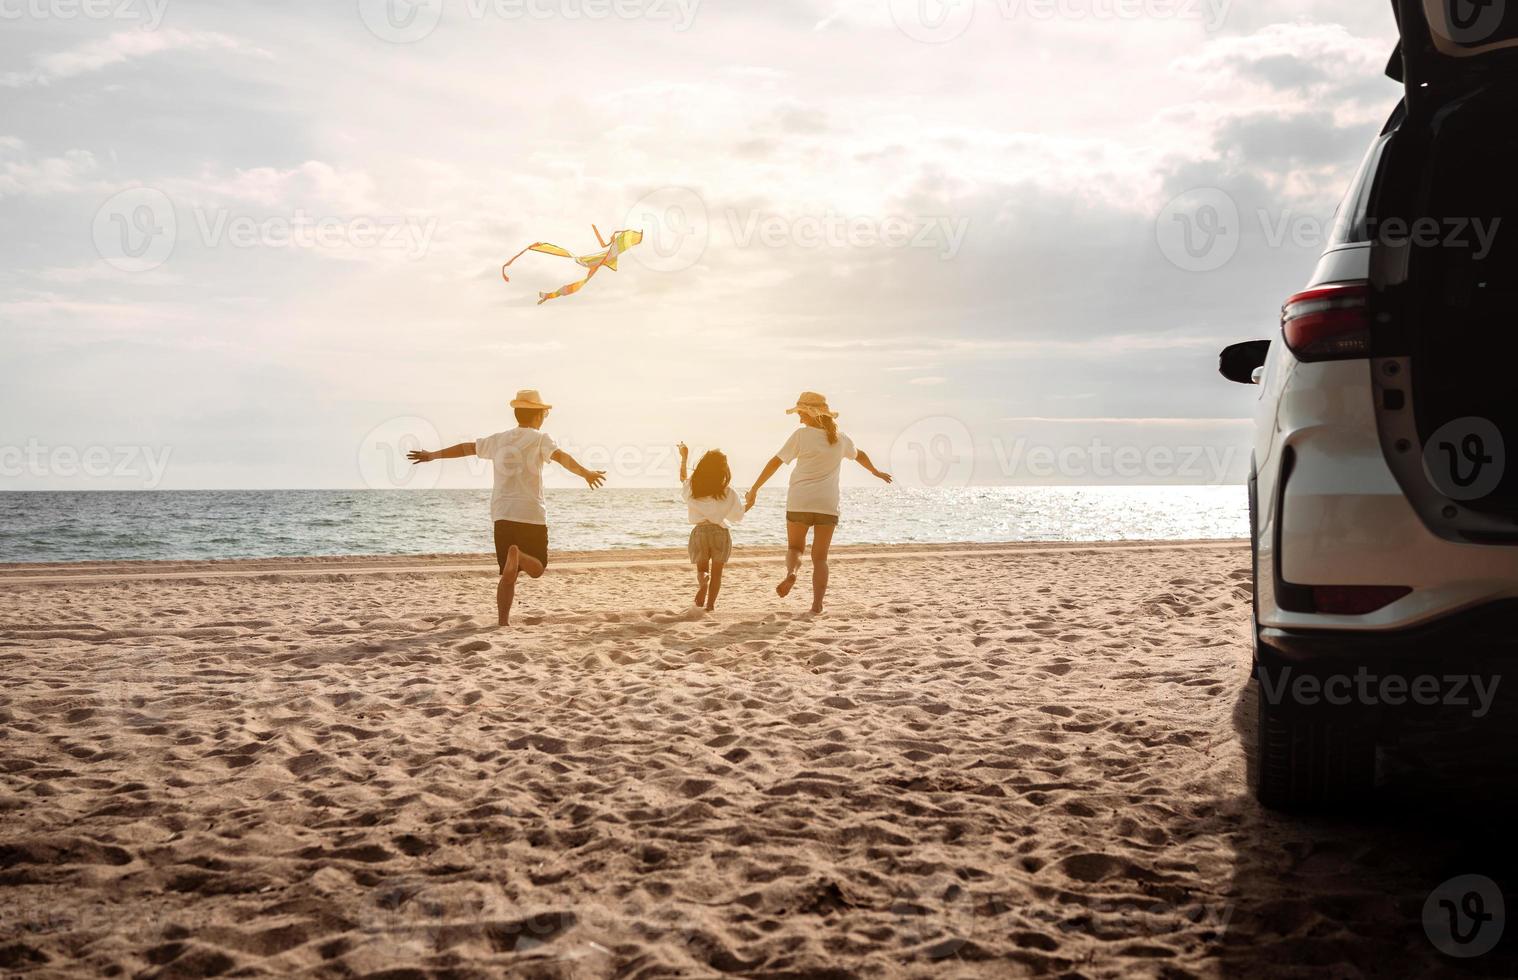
[{"x": 1313, "y": 759}]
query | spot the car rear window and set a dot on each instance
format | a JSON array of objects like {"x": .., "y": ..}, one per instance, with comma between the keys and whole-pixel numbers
[{"x": 1350, "y": 221}]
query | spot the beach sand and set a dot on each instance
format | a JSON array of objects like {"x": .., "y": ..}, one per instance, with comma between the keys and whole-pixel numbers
[{"x": 978, "y": 762}]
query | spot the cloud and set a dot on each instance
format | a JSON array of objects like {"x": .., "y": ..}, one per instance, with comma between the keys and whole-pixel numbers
[
  {"x": 99, "y": 271},
  {"x": 118, "y": 49},
  {"x": 49, "y": 309},
  {"x": 44, "y": 176},
  {"x": 1283, "y": 141},
  {"x": 313, "y": 184},
  {"x": 1303, "y": 60}
]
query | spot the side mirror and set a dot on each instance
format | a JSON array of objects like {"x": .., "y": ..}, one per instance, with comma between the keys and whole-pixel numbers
[{"x": 1239, "y": 362}]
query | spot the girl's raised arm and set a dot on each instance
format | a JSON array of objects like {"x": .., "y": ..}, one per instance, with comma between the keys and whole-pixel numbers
[{"x": 684, "y": 455}]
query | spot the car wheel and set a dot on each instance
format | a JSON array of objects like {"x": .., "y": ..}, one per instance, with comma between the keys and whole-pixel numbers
[{"x": 1313, "y": 759}]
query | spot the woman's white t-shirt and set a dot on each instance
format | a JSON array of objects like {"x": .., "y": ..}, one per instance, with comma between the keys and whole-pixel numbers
[
  {"x": 814, "y": 481},
  {"x": 516, "y": 463},
  {"x": 724, "y": 511}
]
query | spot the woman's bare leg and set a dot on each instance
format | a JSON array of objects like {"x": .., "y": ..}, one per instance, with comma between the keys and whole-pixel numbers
[
  {"x": 506, "y": 588},
  {"x": 821, "y": 539},
  {"x": 795, "y": 547},
  {"x": 702, "y": 579},
  {"x": 716, "y": 586}
]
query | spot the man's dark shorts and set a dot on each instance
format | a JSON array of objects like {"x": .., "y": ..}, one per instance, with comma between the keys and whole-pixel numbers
[
  {"x": 810, "y": 519},
  {"x": 530, "y": 539}
]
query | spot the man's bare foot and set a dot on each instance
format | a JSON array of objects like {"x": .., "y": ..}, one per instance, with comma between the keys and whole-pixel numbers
[
  {"x": 701, "y": 593},
  {"x": 711, "y": 606},
  {"x": 784, "y": 588},
  {"x": 816, "y": 609}
]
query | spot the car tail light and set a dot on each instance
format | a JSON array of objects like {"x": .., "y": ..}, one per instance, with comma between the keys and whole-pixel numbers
[
  {"x": 1356, "y": 600},
  {"x": 1331, "y": 323}
]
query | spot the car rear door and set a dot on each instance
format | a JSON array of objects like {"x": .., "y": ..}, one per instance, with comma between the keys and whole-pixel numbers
[{"x": 1444, "y": 270}]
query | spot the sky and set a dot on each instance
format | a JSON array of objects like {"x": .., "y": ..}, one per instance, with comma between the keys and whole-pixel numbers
[{"x": 258, "y": 245}]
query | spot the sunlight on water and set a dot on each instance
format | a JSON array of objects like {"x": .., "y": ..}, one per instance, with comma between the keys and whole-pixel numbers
[{"x": 260, "y": 524}]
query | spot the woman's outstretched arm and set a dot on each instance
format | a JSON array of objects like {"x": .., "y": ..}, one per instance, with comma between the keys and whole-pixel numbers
[
  {"x": 864, "y": 460},
  {"x": 770, "y": 469}
]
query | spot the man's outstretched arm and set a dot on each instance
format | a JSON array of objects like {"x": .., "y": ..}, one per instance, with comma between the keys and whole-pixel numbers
[
  {"x": 593, "y": 477},
  {"x": 452, "y": 452}
]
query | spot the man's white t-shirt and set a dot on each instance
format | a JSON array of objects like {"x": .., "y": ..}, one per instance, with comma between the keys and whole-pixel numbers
[
  {"x": 723, "y": 512},
  {"x": 517, "y": 458},
  {"x": 814, "y": 481}
]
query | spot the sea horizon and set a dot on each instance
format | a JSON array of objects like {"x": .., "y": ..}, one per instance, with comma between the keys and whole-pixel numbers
[{"x": 50, "y": 526}]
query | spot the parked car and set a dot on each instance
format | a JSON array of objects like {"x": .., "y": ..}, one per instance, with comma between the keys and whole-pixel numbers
[{"x": 1383, "y": 493}]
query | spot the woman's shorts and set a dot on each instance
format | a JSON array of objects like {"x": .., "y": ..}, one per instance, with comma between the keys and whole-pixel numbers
[
  {"x": 810, "y": 519},
  {"x": 530, "y": 539},
  {"x": 710, "y": 542}
]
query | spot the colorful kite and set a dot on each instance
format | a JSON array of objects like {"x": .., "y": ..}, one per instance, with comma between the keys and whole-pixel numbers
[{"x": 620, "y": 242}]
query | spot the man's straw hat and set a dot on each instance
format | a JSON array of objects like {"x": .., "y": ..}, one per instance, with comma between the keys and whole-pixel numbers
[
  {"x": 529, "y": 398},
  {"x": 811, "y": 403}
]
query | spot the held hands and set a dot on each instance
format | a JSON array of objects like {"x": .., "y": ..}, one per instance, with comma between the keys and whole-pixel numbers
[
  {"x": 748, "y": 500},
  {"x": 420, "y": 456}
]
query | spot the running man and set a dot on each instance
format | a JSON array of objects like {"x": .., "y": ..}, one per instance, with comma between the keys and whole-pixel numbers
[{"x": 517, "y": 509}]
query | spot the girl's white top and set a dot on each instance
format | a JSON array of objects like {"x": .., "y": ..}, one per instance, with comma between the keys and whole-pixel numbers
[{"x": 724, "y": 512}]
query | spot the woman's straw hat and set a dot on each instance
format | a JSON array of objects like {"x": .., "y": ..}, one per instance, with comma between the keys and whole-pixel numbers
[
  {"x": 529, "y": 398},
  {"x": 811, "y": 403}
]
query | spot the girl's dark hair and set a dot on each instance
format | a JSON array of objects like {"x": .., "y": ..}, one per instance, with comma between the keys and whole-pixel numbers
[
  {"x": 826, "y": 423},
  {"x": 712, "y": 477}
]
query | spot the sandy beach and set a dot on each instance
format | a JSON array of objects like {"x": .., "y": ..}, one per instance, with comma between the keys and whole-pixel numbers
[{"x": 992, "y": 761}]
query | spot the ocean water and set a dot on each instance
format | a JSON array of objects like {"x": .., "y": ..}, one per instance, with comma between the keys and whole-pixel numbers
[{"x": 99, "y": 526}]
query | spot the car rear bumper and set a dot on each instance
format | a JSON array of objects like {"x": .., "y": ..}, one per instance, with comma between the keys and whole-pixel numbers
[
  {"x": 1485, "y": 634},
  {"x": 1337, "y": 516}
]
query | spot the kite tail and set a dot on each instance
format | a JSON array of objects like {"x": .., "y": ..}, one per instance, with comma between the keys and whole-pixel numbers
[
  {"x": 609, "y": 260},
  {"x": 543, "y": 247},
  {"x": 571, "y": 288}
]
